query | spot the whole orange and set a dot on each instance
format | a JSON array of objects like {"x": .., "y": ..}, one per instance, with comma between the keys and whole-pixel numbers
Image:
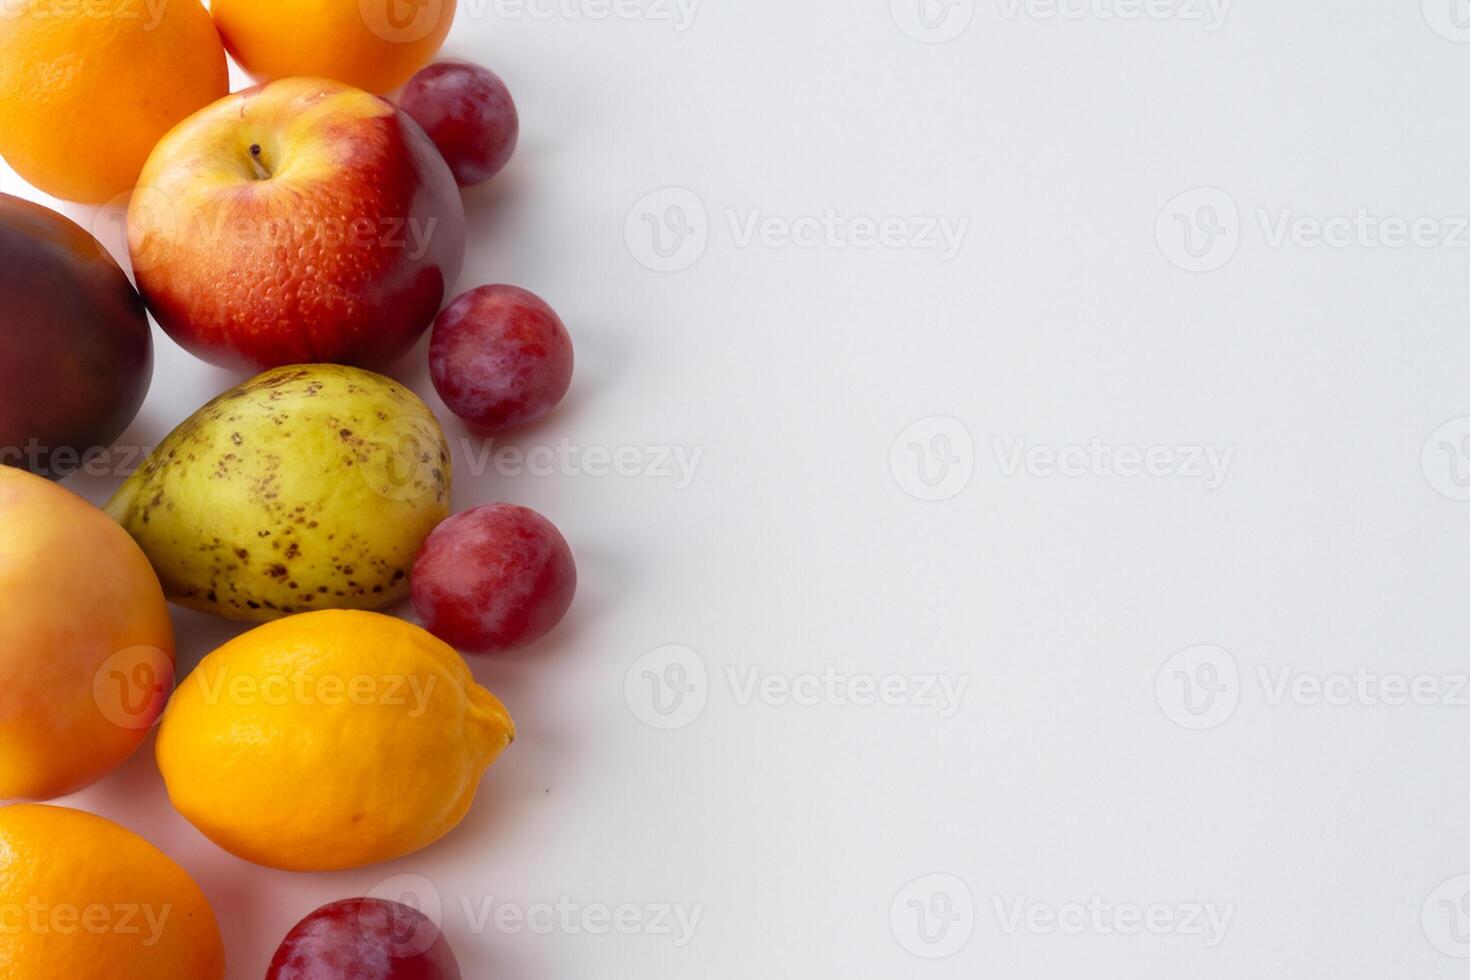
[
  {"x": 84, "y": 899},
  {"x": 374, "y": 45},
  {"x": 87, "y": 87}
]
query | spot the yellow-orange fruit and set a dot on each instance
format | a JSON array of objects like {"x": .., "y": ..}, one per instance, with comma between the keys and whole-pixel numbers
[
  {"x": 86, "y": 645},
  {"x": 86, "y": 90}
]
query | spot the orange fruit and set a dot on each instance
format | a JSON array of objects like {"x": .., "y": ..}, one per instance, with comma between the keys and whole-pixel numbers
[
  {"x": 85, "y": 899},
  {"x": 374, "y": 45},
  {"x": 86, "y": 90}
]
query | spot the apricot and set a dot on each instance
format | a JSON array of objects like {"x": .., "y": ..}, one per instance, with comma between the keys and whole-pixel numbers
[{"x": 86, "y": 645}]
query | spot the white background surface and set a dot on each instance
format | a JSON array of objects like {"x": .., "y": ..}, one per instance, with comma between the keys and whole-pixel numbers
[{"x": 1332, "y": 543}]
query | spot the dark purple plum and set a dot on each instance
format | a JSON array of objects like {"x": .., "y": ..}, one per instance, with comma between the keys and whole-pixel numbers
[
  {"x": 500, "y": 357},
  {"x": 493, "y": 578},
  {"x": 468, "y": 113},
  {"x": 76, "y": 355}
]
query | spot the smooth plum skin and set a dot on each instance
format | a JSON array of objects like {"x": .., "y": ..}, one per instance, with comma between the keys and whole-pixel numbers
[
  {"x": 468, "y": 113},
  {"x": 493, "y": 578},
  {"x": 500, "y": 357},
  {"x": 76, "y": 354},
  {"x": 364, "y": 939}
]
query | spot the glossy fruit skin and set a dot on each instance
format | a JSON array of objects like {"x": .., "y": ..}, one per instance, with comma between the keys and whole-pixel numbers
[
  {"x": 307, "y": 487},
  {"x": 364, "y": 939},
  {"x": 468, "y": 113},
  {"x": 83, "y": 97},
  {"x": 76, "y": 352},
  {"x": 61, "y": 869},
  {"x": 494, "y": 578},
  {"x": 329, "y": 740},
  {"x": 366, "y": 43},
  {"x": 296, "y": 222},
  {"x": 86, "y": 644},
  {"x": 500, "y": 357}
]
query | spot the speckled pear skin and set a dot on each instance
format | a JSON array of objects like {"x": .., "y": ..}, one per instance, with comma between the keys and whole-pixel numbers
[{"x": 307, "y": 487}]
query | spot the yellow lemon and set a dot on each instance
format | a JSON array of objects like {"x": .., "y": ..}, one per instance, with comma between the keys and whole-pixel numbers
[
  {"x": 85, "y": 899},
  {"x": 329, "y": 740}
]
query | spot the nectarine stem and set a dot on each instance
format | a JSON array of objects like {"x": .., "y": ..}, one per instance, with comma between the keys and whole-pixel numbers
[{"x": 260, "y": 172}]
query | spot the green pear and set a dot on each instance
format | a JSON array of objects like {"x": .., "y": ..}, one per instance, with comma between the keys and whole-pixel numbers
[{"x": 307, "y": 487}]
